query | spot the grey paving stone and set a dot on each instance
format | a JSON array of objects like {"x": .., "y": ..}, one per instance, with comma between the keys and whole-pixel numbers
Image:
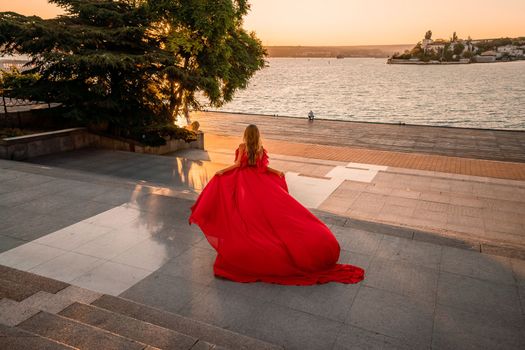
[
  {"x": 75, "y": 334},
  {"x": 479, "y": 296},
  {"x": 330, "y": 300},
  {"x": 259, "y": 291},
  {"x": 420, "y": 253},
  {"x": 356, "y": 240},
  {"x": 15, "y": 338},
  {"x": 86, "y": 191},
  {"x": 415, "y": 281},
  {"x": 37, "y": 225},
  {"x": 393, "y": 315},
  {"x": 221, "y": 307},
  {"x": 12, "y": 216},
  {"x": 291, "y": 328},
  {"x": 361, "y": 260},
  {"x": 351, "y": 338},
  {"x": 518, "y": 268},
  {"x": 164, "y": 291},
  {"x": 7, "y": 243},
  {"x": 197, "y": 329},
  {"x": 521, "y": 290},
  {"x": 21, "y": 180},
  {"x": 25, "y": 195},
  {"x": 8, "y": 175},
  {"x": 459, "y": 329},
  {"x": 195, "y": 264},
  {"x": 128, "y": 327},
  {"x": 477, "y": 265},
  {"x": 12, "y": 312},
  {"x": 48, "y": 204},
  {"x": 83, "y": 209}
]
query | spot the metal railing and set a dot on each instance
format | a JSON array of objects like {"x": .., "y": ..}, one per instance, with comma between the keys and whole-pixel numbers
[{"x": 9, "y": 102}]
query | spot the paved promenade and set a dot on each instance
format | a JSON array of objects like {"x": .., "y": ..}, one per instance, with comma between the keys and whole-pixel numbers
[
  {"x": 506, "y": 146},
  {"x": 116, "y": 223}
]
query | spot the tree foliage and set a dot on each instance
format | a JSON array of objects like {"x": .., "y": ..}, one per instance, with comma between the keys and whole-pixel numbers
[{"x": 134, "y": 62}]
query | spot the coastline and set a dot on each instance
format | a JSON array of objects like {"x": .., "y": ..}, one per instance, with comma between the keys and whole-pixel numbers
[{"x": 362, "y": 121}]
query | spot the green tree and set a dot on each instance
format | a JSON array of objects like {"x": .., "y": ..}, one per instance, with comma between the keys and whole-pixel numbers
[
  {"x": 95, "y": 60},
  {"x": 214, "y": 55},
  {"x": 134, "y": 63},
  {"x": 458, "y": 48}
]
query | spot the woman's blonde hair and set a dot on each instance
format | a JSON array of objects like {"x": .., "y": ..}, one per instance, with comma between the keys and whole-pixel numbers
[{"x": 252, "y": 139}]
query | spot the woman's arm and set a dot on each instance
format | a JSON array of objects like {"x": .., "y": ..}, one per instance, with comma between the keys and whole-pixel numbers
[
  {"x": 236, "y": 164},
  {"x": 275, "y": 171},
  {"x": 231, "y": 167}
]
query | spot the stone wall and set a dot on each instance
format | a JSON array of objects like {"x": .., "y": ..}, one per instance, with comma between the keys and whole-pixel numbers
[{"x": 29, "y": 146}]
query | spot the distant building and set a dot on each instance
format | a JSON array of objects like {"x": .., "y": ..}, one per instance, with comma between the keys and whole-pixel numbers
[
  {"x": 511, "y": 50},
  {"x": 486, "y": 57},
  {"x": 433, "y": 45},
  {"x": 7, "y": 64}
]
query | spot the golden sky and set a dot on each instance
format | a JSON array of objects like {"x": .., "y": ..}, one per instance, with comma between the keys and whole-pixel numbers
[{"x": 360, "y": 22}]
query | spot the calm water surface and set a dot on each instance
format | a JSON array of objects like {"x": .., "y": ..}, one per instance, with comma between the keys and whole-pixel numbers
[{"x": 367, "y": 89}]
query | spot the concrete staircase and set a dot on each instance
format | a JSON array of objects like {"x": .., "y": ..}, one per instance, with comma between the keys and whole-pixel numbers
[{"x": 41, "y": 313}]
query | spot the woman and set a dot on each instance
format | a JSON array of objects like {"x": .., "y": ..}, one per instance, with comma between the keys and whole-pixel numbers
[{"x": 259, "y": 231}]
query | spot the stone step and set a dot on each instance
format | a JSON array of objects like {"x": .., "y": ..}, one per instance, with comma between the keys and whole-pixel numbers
[
  {"x": 15, "y": 291},
  {"x": 76, "y": 334},
  {"x": 128, "y": 327},
  {"x": 206, "y": 332},
  {"x": 30, "y": 281},
  {"x": 85, "y": 312},
  {"x": 19, "y": 339}
]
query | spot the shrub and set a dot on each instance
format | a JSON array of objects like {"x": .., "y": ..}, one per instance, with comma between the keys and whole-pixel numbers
[{"x": 157, "y": 135}]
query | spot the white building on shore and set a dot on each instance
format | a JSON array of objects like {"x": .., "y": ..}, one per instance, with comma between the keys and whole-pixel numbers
[{"x": 511, "y": 50}]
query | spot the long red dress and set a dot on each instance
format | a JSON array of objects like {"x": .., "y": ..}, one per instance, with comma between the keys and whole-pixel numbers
[{"x": 261, "y": 233}]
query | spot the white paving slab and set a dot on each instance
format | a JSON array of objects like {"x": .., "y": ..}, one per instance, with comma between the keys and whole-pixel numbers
[
  {"x": 29, "y": 255},
  {"x": 73, "y": 236},
  {"x": 111, "y": 278},
  {"x": 67, "y": 267},
  {"x": 312, "y": 191},
  {"x": 80, "y": 253}
]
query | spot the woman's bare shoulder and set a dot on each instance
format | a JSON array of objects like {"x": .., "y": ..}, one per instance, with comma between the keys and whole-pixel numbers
[{"x": 242, "y": 146}]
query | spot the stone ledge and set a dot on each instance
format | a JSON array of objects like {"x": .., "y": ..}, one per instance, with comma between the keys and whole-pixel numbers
[
  {"x": 41, "y": 136},
  {"x": 30, "y": 146},
  {"x": 491, "y": 248}
]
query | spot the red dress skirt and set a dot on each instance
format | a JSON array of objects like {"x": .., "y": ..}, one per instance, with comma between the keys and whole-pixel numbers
[{"x": 261, "y": 233}]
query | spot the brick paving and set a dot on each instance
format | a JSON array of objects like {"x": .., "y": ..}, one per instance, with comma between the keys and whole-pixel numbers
[{"x": 419, "y": 161}]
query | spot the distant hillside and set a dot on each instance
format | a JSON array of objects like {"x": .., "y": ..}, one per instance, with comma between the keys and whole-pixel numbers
[{"x": 333, "y": 51}]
